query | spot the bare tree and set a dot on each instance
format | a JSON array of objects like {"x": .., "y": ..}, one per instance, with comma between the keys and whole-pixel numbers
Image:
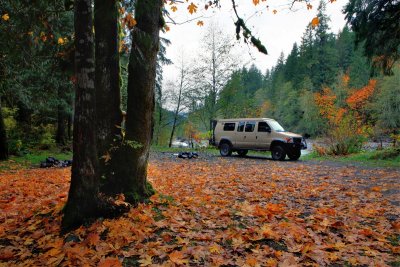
[
  {"x": 178, "y": 91},
  {"x": 215, "y": 64}
]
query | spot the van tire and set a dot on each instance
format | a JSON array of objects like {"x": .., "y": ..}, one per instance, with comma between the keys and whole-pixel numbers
[
  {"x": 294, "y": 155},
  {"x": 278, "y": 153},
  {"x": 225, "y": 149},
  {"x": 242, "y": 152}
]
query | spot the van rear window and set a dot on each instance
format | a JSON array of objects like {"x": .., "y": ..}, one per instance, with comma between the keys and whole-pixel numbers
[
  {"x": 240, "y": 126},
  {"x": 250, "y": 125},
  {"x": 229, "y": 126}
]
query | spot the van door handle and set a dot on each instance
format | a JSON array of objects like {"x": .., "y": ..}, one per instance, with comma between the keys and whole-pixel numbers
[
  {"x": 244, "y": 137},
  {"x": 256, "y": 136}
]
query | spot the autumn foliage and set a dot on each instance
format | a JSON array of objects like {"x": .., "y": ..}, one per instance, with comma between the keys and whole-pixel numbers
[
  {"x": 347, "y": 123},
  {"x": 237, "y": 212}
]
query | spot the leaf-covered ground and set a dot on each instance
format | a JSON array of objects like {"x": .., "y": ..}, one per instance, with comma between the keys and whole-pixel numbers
[{"x": 220, "y": 212}]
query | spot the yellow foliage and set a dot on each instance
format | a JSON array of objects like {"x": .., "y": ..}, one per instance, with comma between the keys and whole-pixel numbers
[{"x": 5, "y": 17}]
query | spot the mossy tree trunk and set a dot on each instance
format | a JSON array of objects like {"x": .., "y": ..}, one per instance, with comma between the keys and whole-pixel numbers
[
  {"x": 108, "y": 98},
  {"x": 3, "y": 138},
  {"x": 83, "y": 198},
  {"x": 141, "y": 83}
]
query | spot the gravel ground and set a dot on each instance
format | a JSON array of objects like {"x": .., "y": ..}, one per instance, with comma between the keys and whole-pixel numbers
[{"x": 366, "y": 176}]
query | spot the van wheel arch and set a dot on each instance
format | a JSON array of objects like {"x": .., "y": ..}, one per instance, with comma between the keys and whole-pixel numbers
[
  {"x": 278, "y": 151},
  {"x": 225, "y": 147}
]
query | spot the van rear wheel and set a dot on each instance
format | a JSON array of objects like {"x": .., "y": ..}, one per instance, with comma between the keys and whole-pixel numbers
[
  {"x": 225, "y": 149},
  {"x": 278, "y": 153},
  {"x": 242, "y": 152}
]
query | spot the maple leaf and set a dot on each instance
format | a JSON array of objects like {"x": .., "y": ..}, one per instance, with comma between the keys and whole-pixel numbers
[
  {"x": 5, "y": 17},
  {"x": 215, "y": 248},
  {"x": 309, "y": 6},
  {"x": 146, "y": 260},
  {"x": 130, "y": 21},
  {"x": 256, "y": 2},
  {"x": 92, "y": 239},
  {"x": 106, "y": 157},
  {"x": 166, "y": 27},
  {"x": 60, "y": 41},
  {"x": 315, "y": 22},
  {"x": 110, "y": 262},
  {"x": 200, "y": 23},
  {"x": 174, "y": 8},
  {"x": 177, "y": 257},
  {"x": 192, "y": 8},
  {"x": 251, "y": 261},
  {"x": 274, "y": 11}
]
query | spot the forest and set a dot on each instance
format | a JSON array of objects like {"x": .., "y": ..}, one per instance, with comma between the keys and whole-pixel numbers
[
  {"x": 326, "y": 87},
  {"x": 84, "y": 79}
]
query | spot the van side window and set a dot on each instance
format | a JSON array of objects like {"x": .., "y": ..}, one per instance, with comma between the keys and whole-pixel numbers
[
  {"x": 240, "y": 126},
  {"x": 229, "y": 126},
  {"x": 250, "y": 125},
  {"x": 263, "y": 127}
]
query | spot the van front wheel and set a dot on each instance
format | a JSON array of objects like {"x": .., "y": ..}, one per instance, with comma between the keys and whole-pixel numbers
[
  {"x": 225, "y": 149},
  {"x": 294, "y": 155},
  {"x": 278, "y": 153}
]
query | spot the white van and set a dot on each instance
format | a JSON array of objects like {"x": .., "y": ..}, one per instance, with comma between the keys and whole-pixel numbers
[{"x": 262, "y": 134}]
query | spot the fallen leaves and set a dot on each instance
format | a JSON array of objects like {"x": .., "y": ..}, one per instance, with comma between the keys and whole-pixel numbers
[{"x": 240, "y": 213}]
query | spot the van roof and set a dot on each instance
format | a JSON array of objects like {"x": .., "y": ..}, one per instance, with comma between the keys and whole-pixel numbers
[{"x": 245, "y": 119}]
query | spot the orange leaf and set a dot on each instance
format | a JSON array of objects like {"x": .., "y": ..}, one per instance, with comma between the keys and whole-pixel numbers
[
  {"x": 192, "y": 8},
  {"x": 200, "y": 23},
  {"x": 177, "y": 257},
  {"x": 315, "y": 22},
  {"x": 174, "y": 8},
  {"x": 256, "y": 2},
  {"x": 110, "y": 262},
  {"x": 5, "y": 17}
]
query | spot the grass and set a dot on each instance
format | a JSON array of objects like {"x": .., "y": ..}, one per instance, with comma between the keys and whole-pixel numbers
[
  {"x": 377, "y": 158},
  {"x": 33, "y": 159}
]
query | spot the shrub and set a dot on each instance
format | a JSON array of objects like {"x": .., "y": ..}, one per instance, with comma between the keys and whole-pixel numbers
[
  {"x": 345, "y": 137},
  {"x": 386, "y": 154}
]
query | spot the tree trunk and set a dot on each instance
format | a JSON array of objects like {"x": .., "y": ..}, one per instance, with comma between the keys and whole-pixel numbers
[
  {"x": 3, "y": 138},
  {"x": 83, "y": 198},
  {"x": 178, "y": 105},
  {"x": 141, "y": 80},
  {"x": 108, "y": 98}
]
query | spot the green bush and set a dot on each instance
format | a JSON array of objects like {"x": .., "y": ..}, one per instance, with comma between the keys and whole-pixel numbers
[
  {"x": 390, "y": 153},
  {"x": 345, "y": 138}
]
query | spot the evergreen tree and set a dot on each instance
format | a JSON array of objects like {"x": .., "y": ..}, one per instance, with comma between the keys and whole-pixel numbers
[
  {"x": 325, "y": 65},
  {"x": 376, "y": 24}
]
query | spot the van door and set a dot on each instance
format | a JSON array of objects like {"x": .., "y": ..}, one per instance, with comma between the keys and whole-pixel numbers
[
  {"x": 239, "y": 143},
  {"x": 264, "y": 137},
  {"x": 249, "y": 135}
]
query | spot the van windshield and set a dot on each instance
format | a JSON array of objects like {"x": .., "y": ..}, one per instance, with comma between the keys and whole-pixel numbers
[{"x": 276, "y": 126}]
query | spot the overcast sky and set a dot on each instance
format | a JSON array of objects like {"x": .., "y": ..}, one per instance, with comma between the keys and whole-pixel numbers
[{"x": 277, "y": 31}]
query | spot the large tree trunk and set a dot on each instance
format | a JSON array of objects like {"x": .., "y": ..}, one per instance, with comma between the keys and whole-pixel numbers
[
  {"x": 83, "y": 198},
  {"x": 108, "y": 98},
  {"x": 141, "y": 80},
  {"x": 3, "y": 138}
]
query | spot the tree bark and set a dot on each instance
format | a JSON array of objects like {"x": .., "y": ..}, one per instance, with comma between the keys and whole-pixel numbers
[
  {"x": 3, "y": 138},
  {"x": 108, "y": 98},
  {"x": 83, "y": 198},
  {"x": 141, "y": 80}
]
